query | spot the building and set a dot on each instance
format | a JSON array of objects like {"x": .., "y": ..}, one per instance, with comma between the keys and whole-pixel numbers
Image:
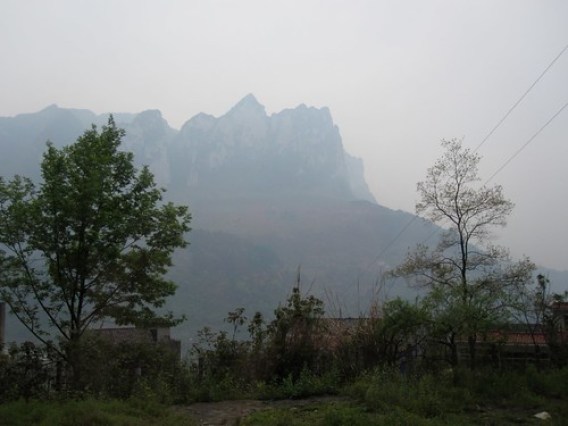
[{"x": 159, "y": 336}]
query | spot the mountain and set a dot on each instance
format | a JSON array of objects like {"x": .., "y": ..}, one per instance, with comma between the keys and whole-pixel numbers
[
  {"x": 246, "y": 152},
  {"x": 270, "y": 195}
]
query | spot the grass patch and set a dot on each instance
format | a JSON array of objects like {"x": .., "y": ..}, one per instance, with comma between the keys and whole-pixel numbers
[
  {"x": 89, "y": 412},
  {"x": 306, "y": 385},
  {"x": 480, "y": 397},
  {"x": 332, "y": 414},
  {"x": 231, "y": 388},
  {"x": 341, "y": 414}
]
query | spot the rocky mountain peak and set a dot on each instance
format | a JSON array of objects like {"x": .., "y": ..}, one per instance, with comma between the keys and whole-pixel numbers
[
  {"x": 198, "y": 122},
  {"x": 245, "y": 152},
  {"x": 249, "y": 101},
  {"x": 247, "y": 106},
  {"x": 295, "y": 151},
  {"x": 149, "y": 118}
]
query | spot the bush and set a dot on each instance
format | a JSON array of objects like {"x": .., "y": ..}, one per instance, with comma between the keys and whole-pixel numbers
[
  {"x": 307, "y": 384},
  {"x": 549, "y": 383},
  {"x": 426, "y": 396},
  {"x": 25, "y": 372},
  {"x": 419, "y": 395}
]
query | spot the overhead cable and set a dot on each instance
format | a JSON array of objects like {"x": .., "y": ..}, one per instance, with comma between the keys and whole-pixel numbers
[
  {"x": 499, "y": 123},
  {"x": 545, "y": 125},
  {"x": 521, "y": 98}
]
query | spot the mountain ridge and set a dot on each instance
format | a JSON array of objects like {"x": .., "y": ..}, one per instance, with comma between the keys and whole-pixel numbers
[
  {"x": 269, "y": 194},
  {"x": 205, "y": 142}
]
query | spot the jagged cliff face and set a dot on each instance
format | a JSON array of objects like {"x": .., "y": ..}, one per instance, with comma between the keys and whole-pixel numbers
[
  {"x": 267, "y": 193},
  {"x": 149, "y": 136},
  {"x": 296, "y": 151}
]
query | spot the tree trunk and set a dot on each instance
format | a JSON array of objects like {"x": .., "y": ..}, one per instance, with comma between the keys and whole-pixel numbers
[
  {"x": 472, "y": 346},
  {"x": 454, "y": 351},
  {"x": 74, "y": 360}
]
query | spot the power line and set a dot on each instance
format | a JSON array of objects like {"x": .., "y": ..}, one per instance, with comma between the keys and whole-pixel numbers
[
  {"x": 499, "y": 123},
  {"x": 512, "y": 157},
  {"x": 545, "y": 125},
  {"x": 394, "y": 240},
  {"x": 521, "y": 98}
]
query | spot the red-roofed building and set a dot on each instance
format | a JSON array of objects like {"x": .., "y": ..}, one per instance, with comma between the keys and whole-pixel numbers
[{"x": 522, "y": 343}]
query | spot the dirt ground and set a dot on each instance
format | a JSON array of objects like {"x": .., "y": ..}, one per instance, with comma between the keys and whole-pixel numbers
[{"x": 229, "y": 413}]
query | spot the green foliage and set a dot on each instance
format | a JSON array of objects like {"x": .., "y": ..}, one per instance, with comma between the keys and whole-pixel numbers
[
  {"x": 419, "y": 395},
  {"x": 477, "y": 397},
  {"x": 125, "y": 370},
  {"x": 295, "y": 335},
  {"x": 93, "y": 241},
  {"x": 236, "y": 318},
  {"x": 24, "y": 372},
  {"x": 273, "y": 418},
  {"x": 307, "y": 384},
  {"x": 332, "y": 414},
  {"x": 216, "y": 356},
  {"x": 212, "y": 389},
  {"x": 110, "y": 370},
  {"x": 90, "y": 412},
  {"x": 394, "y": 338},
  {"x": 471, "y": 284},
  {"x": 343, "y": 414},
  {"x": 557, "y": 338},
  {"x": 288, "y": 353},
  {"x": 387, "y": 398},
  {"x": 257, "y": 331},
  {"x": 549, "y": 383}
]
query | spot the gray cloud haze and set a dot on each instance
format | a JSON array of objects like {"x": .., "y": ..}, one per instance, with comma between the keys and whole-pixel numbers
[{"x": 397, "y": 77}]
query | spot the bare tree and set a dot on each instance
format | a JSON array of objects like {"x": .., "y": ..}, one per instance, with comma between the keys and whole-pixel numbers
[{"x": 470, "y": 282}]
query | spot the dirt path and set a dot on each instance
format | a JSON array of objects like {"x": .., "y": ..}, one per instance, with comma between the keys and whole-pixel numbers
[{"x": 230, "y": 412}]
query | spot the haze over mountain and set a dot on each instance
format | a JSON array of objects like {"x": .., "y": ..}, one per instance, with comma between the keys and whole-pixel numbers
[
  {"x": 269, "y": 194},
  {"x": 296, "y": 151},
  {"x": 397, "y": 76}
]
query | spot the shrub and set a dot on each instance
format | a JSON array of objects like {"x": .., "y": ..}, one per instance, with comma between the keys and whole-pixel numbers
[
  {"x": 548, "y": 383},
  {"x": 25, "y": 372}
]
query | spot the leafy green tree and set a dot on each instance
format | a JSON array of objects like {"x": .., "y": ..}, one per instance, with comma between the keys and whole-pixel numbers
[
  {"x": 237, "y": 318},
  {"x": 257, "y": 331},
  {"x": 91, "y": 242},
  {"x": 402, "y": 330},
  {"x": 532, "y": 308},
  {"x": 392, "y": 335},
  {"x": 471, "y": 283},
  {"x": 295, "y": 334}
]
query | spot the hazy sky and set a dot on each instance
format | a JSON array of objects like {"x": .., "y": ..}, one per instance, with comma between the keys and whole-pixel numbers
[{"x": 398, "y": 76}]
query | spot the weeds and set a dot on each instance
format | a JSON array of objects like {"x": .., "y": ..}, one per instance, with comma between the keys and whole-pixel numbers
[{"x": 90, "y": 412}]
